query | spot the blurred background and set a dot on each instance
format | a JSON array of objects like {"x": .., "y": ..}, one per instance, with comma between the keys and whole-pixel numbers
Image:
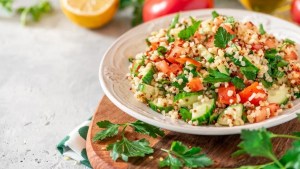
[{"x": 50, "y": 55}]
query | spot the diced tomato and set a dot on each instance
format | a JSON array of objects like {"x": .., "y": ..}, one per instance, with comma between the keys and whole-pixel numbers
[
  {"x": 228, "y": 29},
  {"x": 257, "y": 47},
  {"x": 174, "y": 68},
  {"x": 210, "y": 42},
  {"x": 263, "y": 114},
  {"x": 175, "y": 52},
  {"x": 171, "y": 59},
  {"x": 270, "y": 43},
  {"x": 273, "y": 109},
  {"x": 154, "y": 46},
  {"x": 195, "y": 84},
  {"x": 192, "y": 61},
  {"x": 246, "y": 94},
  {"x": 227, "y": 95},
  {"x": 162, "y": 66},
  {"x": 291, "y": 56}
]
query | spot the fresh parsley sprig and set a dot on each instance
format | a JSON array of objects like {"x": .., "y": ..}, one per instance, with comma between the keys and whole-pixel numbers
[
  {"x": 6, "y": 4},
  {"x": 34, "y": 12},
  {"x": 215, "y": 76},
  {"x": 180, "y": 155},
  {"x": 257, "y": 143},
  {"x": 125, "y": 148},
  {"x": 137, "y": 10}
]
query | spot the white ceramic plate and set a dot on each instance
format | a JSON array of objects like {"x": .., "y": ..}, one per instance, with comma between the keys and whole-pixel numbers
[{"x": 114, "y": 67}]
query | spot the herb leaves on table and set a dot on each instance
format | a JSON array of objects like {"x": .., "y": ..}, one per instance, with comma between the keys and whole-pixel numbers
[
  {"x": 180, "y": 155},
  {"x": 126, "y": 148}
]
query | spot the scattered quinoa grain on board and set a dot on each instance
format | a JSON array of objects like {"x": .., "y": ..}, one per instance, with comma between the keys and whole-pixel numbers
[{"x": 217, "y": 71}]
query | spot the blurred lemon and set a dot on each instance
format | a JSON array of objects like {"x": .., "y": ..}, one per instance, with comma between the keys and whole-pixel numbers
[{"x": 90, "y": 13}]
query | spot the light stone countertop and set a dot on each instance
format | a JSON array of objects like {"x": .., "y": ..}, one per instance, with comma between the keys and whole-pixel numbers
[{"x": 49, "y": 84}]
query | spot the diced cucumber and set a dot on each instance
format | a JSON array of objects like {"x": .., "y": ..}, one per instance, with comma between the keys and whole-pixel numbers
[
  {"x": 232, "y": 115},
  {"x": 136, "y": 64},
  {"x": 185, "y": 99},
  {"x": 205, "y": 53},
  {"x": 213, "y": 118},
  {"x": 278, "y": 95},
  {"x": 202, "y": 111},
  {"x": 223, "y": 69},
  {"x": 186, "y": 115},
  {"x": 149, "y": 91},
  {"x": 147, "y": 73},
  {"x": 159, "y": 107}
]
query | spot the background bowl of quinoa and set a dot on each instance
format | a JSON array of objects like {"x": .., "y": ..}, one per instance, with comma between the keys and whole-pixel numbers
[{"x": 114, "y": 67}]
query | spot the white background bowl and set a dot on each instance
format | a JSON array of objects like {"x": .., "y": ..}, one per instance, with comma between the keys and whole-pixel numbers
[{"x": 114, "y": 67}]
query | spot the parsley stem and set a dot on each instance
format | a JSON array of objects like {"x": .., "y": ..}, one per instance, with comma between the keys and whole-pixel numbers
[
  {"x": 162, "y": 149},
  {"x": 273, "y": 157},
  {"x": 286, "y": 136},
  {"x": 123, "y": 130}
]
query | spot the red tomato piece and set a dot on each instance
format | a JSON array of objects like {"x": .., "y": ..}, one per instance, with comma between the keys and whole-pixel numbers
[
  {"x": 291, "y": 56},
  {"x": 162, "y": 66},
  {"x": 174, "y": 68},
  {"x": 247, "y": 94},
  {"x": 256, "y": 47},
  {"x": 227, "y": 95},
  {"x": 195, "y": 84},
  {"x": 228, "y": 29},
  {"x": 192, "y": 61},
  {"x": 155, "y": 8},
  {"x": 295, "y": 11}
]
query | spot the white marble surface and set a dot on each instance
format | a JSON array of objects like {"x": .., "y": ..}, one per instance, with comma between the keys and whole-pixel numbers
[{"x": 49, "y": 84}]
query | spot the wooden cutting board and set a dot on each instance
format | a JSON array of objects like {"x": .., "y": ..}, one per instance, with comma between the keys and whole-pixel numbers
[{"x": 219, "y": 148}]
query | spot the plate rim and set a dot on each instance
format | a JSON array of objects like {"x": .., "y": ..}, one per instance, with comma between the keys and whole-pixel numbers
[{"x": 196, "y": 130}]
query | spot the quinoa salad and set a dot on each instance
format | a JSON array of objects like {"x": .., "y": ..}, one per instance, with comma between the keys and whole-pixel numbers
[{"x": 218, "y": 71}]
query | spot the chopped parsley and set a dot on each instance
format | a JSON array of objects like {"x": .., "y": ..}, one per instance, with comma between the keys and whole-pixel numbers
[
  {"x": 161, "y": 50},
  {"x": 215, "y": 76},
  {"x": 214, "y": 14},
  {"x": 222, "y": 37},
  {"x": 289, "y": 41},
  {"x": 188, "y": 32},
  {"x": 238, "y": 83},
  {"x": 261, "y": 29}
]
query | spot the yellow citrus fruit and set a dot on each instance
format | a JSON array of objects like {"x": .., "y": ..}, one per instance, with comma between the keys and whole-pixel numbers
[{"x": 90, "y": 13}]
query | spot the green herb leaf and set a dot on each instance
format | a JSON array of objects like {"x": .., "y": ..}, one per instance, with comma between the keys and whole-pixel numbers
[
  {"x": 266, "y": 83},
  {"x": 144, "y": 128},
  {"x": 183, "y": 84},
  {"x": 126, "y": 148},
  {"x": 110, "y": 130},
  {"x": 250, "y": 72},
  {"x": 172, "y": 25},
  {"x": 125, "y": 3},
  {"x": 137, "y": 12},
  {"x": 35, "y": 12},
  {"x": 191, "y": 158},
  {"x": 170, "y": 161},
  {"x": 186, "y": 115},
  {"x": 216, "y": 76},
  {"x": 256, "y": 143},
  {"x": 291, "y": 159},
  {"x": 298, "y": 115},
  {"x": 214, "y": 14},
  {"x": 238, "y": 83},
  {"x": 289, "y": 41},
  {"x": 230, "y": 19},
  {"x": 188, "y": 32},
  {"x": 261, "y": 29},
  {"x": 161, "y": 50},
  {"x": 6, "y": 4},
  {"x": 222, "y": 37}
]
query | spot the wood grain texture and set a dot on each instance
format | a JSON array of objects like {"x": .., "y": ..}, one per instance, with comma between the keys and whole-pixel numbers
[{"x": 219, "y": 148}]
